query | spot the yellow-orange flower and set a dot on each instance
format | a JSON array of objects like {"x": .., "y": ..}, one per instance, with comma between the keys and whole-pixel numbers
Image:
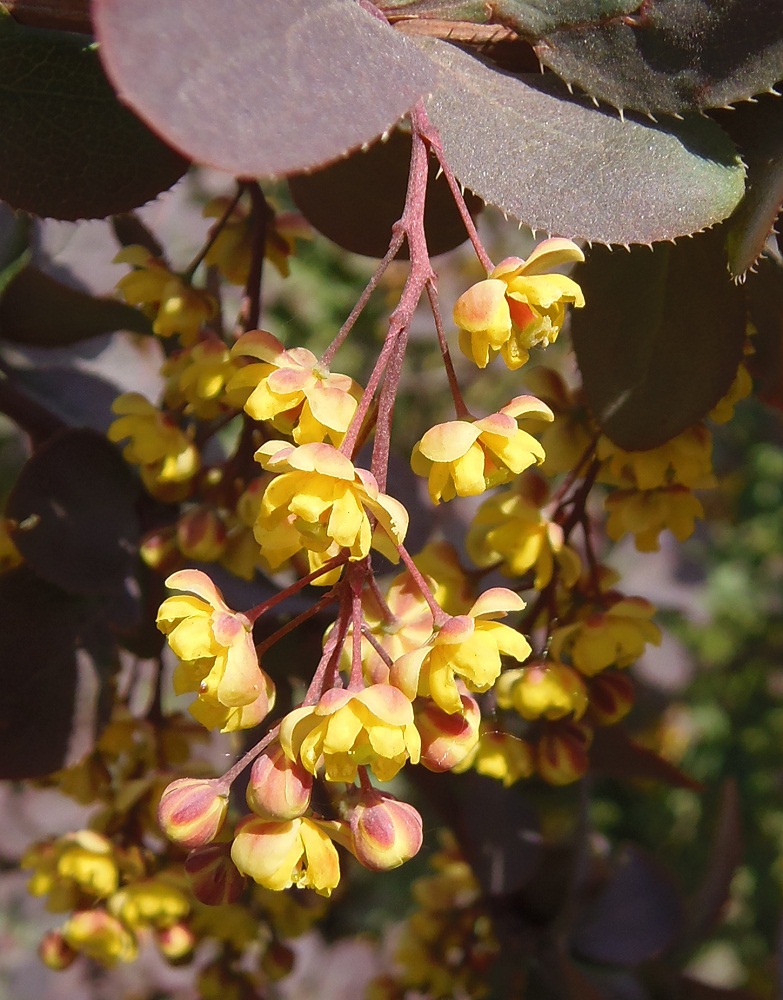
[
  {"x": 293, "y": 391},
  {"x": 610, "y": 637},
  {"x": 646, "y": 513},
  {"x": 465, "y": 458},
  {"x": 518, "y": 306},
  {"x": 281, "y": 853}
]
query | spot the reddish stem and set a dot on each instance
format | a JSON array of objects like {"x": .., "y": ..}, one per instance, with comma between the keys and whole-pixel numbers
[
  {"x": 438, "y": 614},
  {"x": 460, "y": 409},
  {"x": 255, "y": 613},
  {"x": 233, "y": 772},
  {"x": 266, "y": 645},
  {"x": 331, "y": 654}
]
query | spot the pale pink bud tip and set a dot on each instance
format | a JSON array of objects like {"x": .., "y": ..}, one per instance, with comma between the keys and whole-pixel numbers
[
  {"x": 55, "y": 952},
  {"x": 192, "y": 811},
  {"x": 385, "y": 832},
  {"x": 279, "y": 788}
]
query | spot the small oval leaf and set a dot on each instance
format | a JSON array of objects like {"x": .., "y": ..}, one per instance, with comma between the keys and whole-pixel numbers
[
  {"x": 660, "y": 339},
  {"x": 356, "y": 201},
  {"x": 70, "y": 150},
  {"x": 556, "y": 163},
  {"x": 38, "y": 311},
  {"x": 74, "y": 503},
  {"x": 260, "y": 89}
]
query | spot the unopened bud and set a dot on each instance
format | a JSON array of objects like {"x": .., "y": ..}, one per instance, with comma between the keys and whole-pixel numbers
[
  {"x": 55, "y": 952},
  {"x": 611, "y": 697},
  {"x": 385, "y": 832},
  {"x": 279, "y": 788},
  {"x": 201, "y": 534},
  {"x": 159, "y": 550},
  {"x": 562, "y": 752},
  {"x": 213, "y": 876},
  {"x": 447, "y": 740},
  {"x": 176, "y": 943},
  {"x": 192, "y": 811}
]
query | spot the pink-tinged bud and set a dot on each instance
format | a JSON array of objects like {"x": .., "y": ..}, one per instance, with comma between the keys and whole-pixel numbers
[
  {"x": 562, "y": 752},
  {"x": 213, "y": 876},
  {"x": 385, "y": 832},
  {"x": 201, "y": 534},
  {"x": 176, "y": 943},
  {"x": 192, "y": 810},
  {"x": 277, "y": 961},
  {"x": 159, "y": 550},
  {"x": 279, "y": 788},
  {"x": 611, "y": 697},
  {"x": 55, "y": 952},
  {"x": 447, "y": 740}
]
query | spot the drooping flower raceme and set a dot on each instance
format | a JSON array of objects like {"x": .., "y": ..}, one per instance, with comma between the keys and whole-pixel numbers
[
  {"x": 293, "y": 391},
  {"x": 321, "y": 503},
  {"x": 350, "y": 729},
  {"x": 518, "y": 305},
  {"x": 217, "y": 656},
  {"x": 468, "y": 647},
  {"x": 465, "y": 458}
]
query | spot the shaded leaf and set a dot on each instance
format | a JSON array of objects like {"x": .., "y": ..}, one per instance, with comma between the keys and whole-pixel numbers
[
  {"x": 615, "y": 754},
  {"x": 74, "y": 502},
  {"x": 724, "y": 858},
  {"x": 523, "y": 144},
  {"x": 39, "y": 311},
  {"x": 77, "y": 398},
  {"x": 758, "y": 131},
  {"x": 660, "y": 339},
  {"x": 672, "y": 56},
  {"x": 56, "y": 663},
  {"x": 260, "y": 89},
  {"x": 635, "y": 916},
  {"x": 356, "y": 201},
  {"x": 528, "y": 18},
  {"x": 70, "y": 150}
]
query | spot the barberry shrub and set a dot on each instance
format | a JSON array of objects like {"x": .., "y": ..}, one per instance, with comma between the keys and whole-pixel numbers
[{"x": 309, "y": 567}]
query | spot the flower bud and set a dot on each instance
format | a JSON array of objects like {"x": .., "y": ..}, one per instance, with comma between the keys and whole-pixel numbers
[
  {"x": 213, "y": 876},
  {"x": 543, "y": 690},
  {"x": 611, "y": 697},
  {"x": 385, "y": 832},
  {"x": 176, "y": 943},
  {"x": 279, "y": 788},
  {"x": 447, "y": 740},
  {"x": 192, "y": 811},
  {"x": 100, "y": 936},
  {"x": 201, "y": 534},
  {"x": 562, "y": 753},
  {"x": 55, "y": 952},
  {"x": 159, "y": 550}
]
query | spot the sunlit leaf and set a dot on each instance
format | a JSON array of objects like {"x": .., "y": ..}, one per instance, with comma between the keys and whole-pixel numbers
[
  {"x": 70, "y": 150},
  {"x": 260, "y": 88},
  {"x": 660, "y": 339},
  {"x": 558, "y": 164}
]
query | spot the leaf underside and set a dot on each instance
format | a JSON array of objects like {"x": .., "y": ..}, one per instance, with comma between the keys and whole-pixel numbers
[
  {"x": 356, "y": 201},
  {"x": 660, "y": 339},
  {"x": 70, "y": 150},
  {"x": 260, "y": 89},
  {"x": 558, "y": 164}
]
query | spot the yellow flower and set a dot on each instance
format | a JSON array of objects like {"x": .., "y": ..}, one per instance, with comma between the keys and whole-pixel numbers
[
  {"x": 467, "y": 647},
  {"x": 740, "y": 388},
  {"x": 177, "y": 307},
  {"x": 509, "y": 528},
  {"x": 685, "y": 460},
  {"x": 501, "y": 756},
  {"x": 77, "y": 863},
  {"x": 150, "y": 903},
  {"x": 293, "y": 391},
  {"x": 279, "y": 854},
  {"x": 613, "y": 637},
  {"x": 232, "y": 249},
  {"x": 568, "y": 437},
  {"x": 465, "y": 458},
  {"x": 646, "y": 513},
  {"x": 518, "y": 306},
  {"x": 350, "y": 729},
  {"x": 542, "y": 691},
  {"x": 321, "y": 503},
  {"x": 450, "y": 585},
  {"x": 197, "y": 379},
  {"x": 9, "y": 554},
  {"x": 100, "y": 936},
  {"x": 167, "y": 456},
  {"x": 217, "y": 654}
]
